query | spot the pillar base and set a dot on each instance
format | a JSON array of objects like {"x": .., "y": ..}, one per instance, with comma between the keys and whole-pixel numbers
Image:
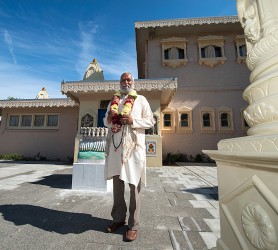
[{"x": 248, "y": 192}]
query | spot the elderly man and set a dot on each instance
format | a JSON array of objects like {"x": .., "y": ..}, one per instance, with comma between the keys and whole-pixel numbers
[{"x": 127, "y": 116}]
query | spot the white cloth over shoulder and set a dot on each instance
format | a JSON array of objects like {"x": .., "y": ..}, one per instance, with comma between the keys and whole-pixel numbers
[{"x": 134, "y": 169}]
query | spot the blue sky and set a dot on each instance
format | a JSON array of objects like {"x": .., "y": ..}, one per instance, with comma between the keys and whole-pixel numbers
[{"x": 43, "y": 42}]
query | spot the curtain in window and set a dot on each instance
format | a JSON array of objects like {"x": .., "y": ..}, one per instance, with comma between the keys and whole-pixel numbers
[
  {"x": 14, "y": 120},
  {"x": 39, "y": 121},
  {"x": 242, "y": 50},
  {"x": 209, "y": 51},
  {"x": 26, "y": 120},
  {"x": 52, "y": 120},
  {"x": 173, "y": 53}
]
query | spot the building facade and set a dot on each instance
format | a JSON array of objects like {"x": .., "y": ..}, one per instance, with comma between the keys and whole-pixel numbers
[
  {"x": 207, "y": 56},
  {"x": 192, "y": 71}
]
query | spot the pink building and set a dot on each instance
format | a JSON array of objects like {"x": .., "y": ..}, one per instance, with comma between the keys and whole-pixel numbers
[
  {"x": 207, "y": 56},
  {"x": 192, "y": 71}
]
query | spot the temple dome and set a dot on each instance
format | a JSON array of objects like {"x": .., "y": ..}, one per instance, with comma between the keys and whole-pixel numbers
[
  {"x": 93, "y": 72},
  {"x": 42, "y": 94}
]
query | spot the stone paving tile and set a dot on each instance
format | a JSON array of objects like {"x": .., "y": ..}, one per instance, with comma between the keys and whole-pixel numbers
[
  {"x": 42, "y": 198},
  {"x": 185, "y": 196},
  {"x": 210, "y": 238},
  {"x": 194, "y": 224},
  {"x": 201, "y": 204},
  {"x": 178, "y": 202},
  {"x": 207, "y": 197},
  {"x": 187, "y": 240}
]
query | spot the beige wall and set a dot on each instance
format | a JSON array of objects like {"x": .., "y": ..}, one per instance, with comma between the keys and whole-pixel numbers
[
  {"x": 201, "y": 86},
  {"x": 52, "y": 144}
]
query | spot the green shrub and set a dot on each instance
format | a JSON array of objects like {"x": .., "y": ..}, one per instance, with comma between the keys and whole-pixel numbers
[
  {"x": 172, "y": 158},
  {"x": 13, "y": 157},
  {"x": 198, "y": 158}
]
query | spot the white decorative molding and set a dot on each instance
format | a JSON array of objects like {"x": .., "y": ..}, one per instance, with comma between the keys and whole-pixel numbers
[
  {"x": 211, "y": 41},
  {"x": 189, "y": 128},
  {"x": 258, "y": 227},
  {"x": 259, "y": 21},
  {"x": 211, "y": 62},
  {"x": 174, "y": 42},
  {"x": 255, "y": 144},
  {"x": 229, "y": 129},
  {"x": 168, "y": 129},
  {"x": 107, "y": 86},
  {"x": 186, "y": 22},
  {"x": 239, "y": 199},
  {"x": 66, "y": 102},
  {"x": 264, "y": 46},
  {"x": 239, "y": 43},
  {"x": 174, "y": 63}
]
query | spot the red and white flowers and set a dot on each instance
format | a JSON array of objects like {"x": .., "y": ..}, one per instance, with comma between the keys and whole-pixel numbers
[{"x": 114, "y": 108}]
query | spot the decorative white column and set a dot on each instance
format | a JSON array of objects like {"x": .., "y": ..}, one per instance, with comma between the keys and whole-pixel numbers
[{"x": 248, "y": 166}]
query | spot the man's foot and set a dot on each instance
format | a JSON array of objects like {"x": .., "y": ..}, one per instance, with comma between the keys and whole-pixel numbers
[
  {"x": 131, "y": 235},
  {"x": 114, "y": 226}
]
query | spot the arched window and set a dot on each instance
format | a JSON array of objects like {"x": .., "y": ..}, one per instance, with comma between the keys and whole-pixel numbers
[
  {"x": 167, "y": 120},
  {"x": 225, "y": 120},
  {"x": 184, "y": 122},
  {"x": 174, "y": 51},
  {"x": 206, "y": 120}
]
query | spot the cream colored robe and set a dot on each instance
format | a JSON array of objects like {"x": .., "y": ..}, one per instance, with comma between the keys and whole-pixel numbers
[{"x": 135, "y": 167}]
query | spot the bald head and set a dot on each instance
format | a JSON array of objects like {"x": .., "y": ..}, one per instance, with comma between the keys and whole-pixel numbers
[{"x": 126, "y": 83}]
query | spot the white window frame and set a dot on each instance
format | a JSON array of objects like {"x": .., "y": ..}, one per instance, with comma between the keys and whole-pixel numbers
[
  {"x": 188, "y": 129},
  {"x": 21, "y": 120},
  {"x": 174, "y": 42},
  {"x": 32, "y": 127},
  {"x": 204, "y": 129},
  {"x": 215, "y": 41},
  {"x": 9, "y": 118},
  {"x": 240, "y": 41},
  {"x": 230, "y": 127},
  {"x": 168, "y": 129}
]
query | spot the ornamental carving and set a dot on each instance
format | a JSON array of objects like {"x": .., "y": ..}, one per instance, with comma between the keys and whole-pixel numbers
[
  {"x": 264, "y": 46},
  {"x": 263, "y": 112},
  {"x": 66, "y": 102},
  {"x": 260, "y": 28},
  {"x": 107, "y": 86},
  {"x": 258, "y": 227},
  {"x": 250, "y": 144},
  {"x": 87, "y": 121},
  {"x": 186, "y": 21}
]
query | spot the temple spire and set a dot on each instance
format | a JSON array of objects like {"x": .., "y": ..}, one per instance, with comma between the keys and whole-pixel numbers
[{"x": 93, "y": 72}]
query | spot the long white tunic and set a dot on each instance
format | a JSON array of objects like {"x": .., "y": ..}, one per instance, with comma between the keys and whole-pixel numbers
[{"x": 135, "y": 167}]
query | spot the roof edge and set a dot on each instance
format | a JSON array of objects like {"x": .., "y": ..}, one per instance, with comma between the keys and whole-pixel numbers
[
  {"x": 186, "y": 21},
  {"x": 31, "y": 103}
]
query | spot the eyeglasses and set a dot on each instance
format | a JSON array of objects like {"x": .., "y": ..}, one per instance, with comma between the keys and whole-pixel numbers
[{"x": 126, "y": 79}]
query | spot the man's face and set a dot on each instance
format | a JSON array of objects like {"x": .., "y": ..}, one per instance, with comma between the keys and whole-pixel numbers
[{"x": 126, "y": 83}]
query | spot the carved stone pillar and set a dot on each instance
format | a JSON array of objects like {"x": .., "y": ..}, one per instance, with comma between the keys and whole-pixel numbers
[{"x": 248, "y": 166}]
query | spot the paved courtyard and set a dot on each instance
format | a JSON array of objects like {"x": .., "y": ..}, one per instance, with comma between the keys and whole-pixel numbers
[{"x": 39, "y": 209}]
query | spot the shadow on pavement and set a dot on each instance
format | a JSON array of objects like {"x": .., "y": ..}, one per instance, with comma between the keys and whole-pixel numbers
[
  {"x": 52, "y": 220},
  {"x": 209, "y": 192},
  {"x": 63, "y": 181}
]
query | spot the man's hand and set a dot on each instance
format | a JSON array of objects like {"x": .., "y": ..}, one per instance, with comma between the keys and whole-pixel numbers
[
  {"x": 110, "y": 115},
  {"x": 126, "y": 120}
]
